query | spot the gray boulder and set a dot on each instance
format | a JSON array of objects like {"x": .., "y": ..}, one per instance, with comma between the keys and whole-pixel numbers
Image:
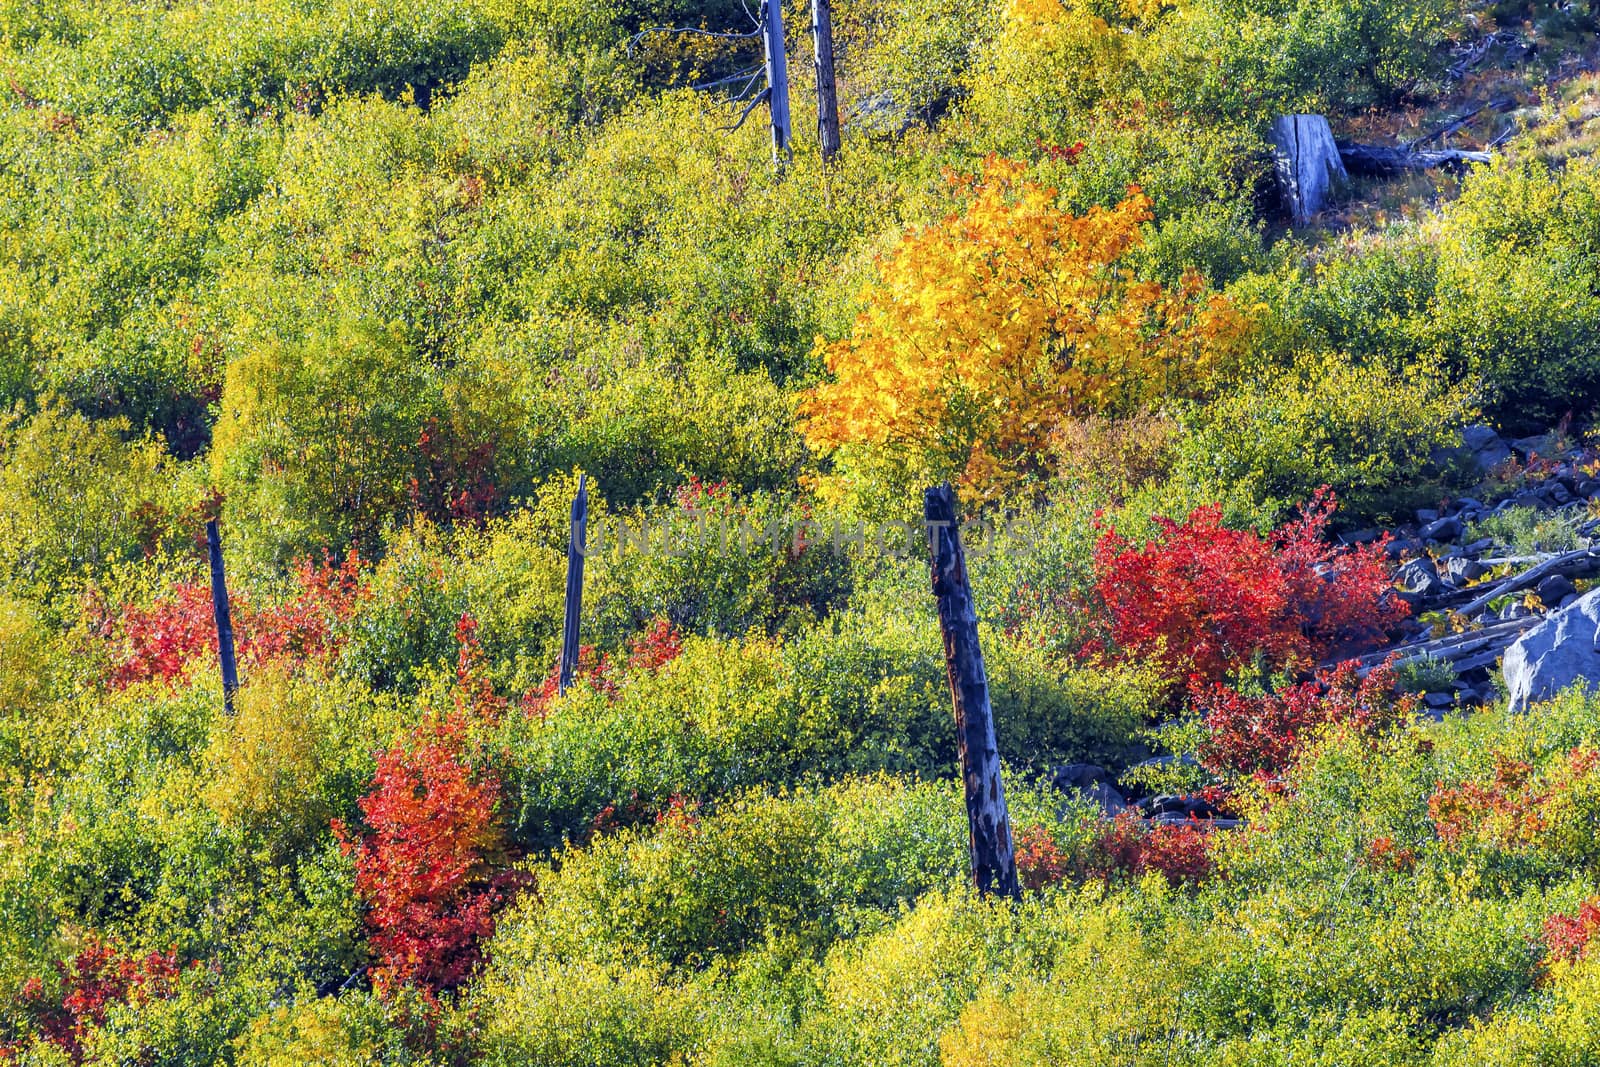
[
  {"x": 1558, "y": 653},
  {"x": 1480, "y": 447},
  {"x": 1092, "y": 782},
  {"x": 1446, "y": 529},
  {"x": 1417, "y": 580}
]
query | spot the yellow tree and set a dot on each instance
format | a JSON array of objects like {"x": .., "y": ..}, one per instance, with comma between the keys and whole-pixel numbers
[{"x": 988, "y": 327}]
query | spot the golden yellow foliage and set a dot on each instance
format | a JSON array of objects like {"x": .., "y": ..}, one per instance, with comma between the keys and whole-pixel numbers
[{"x": 990, "y": 326}]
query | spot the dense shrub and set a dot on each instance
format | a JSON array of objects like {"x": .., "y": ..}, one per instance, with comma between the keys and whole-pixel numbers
[
  {"x": 1363, "y": 430},
  {"x": 1489, "y": 290},
  {"x": 98, "y": 977},
  {"x": 1262, "y": 734},
  {"x": 158, "y": 641},
  {"x": 1204, "y": 601},
  {"x": 78, "y": 500}
]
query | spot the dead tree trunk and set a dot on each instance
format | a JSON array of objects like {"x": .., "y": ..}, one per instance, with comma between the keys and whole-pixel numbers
[
  {"x": 994, "y": 861},
  {"x": 224, "y": 617},
  {"x": 827, "y": 88},
  {"x": 577, "y": 546},
  {"x": 777, "y": 60}
]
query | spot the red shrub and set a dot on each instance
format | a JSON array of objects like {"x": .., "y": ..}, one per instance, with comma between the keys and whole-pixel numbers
[
  {"x": 1262, "y": 735},
  {"x": 698, "y": 494},
  {"x": 157, "y": 642},
  {"x": 1040, "y": 861},
  {"x": 422, "y": 869},
  {"x": 475, "y": 697},
  {"x": 1131, "y": 846},
  {"x": 681, "y": 813},
  {"x": 305, "y": 626},
  {"x": 659, "y": 645},
  {"x": 593, "y": 666},
  {"x": 1567, "y": 937},
  {"x": 457, "y": 479},
  {"x": 98, "y": 977},
  {"x": 1203, "y": 600}
]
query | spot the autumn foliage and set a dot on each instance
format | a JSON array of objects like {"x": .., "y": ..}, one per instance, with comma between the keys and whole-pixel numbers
[
  {"x": 1519, "y": 809},
  {"x": 421, "y": 869},
  {"x": 1202, "y": 601},
  {"x": 1567, "y": 937},
  {"x": 991, "y": 324},
  {"x": 157, "y": 641},
  {"x": 97, "y": 978},
  {"x": 1125, "y": 847},
  {"x": 1261, "y": 734}
]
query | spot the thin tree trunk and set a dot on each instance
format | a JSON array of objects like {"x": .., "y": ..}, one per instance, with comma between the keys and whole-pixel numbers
[
  {"x": 224, "y": 617},
  {"x": 577, "y": 546},
  {"x": 994, "y": 861}
]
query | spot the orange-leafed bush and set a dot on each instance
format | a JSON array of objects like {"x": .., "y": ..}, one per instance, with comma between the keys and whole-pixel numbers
[
  {"x": 649, "y": 651},
  {"x": 1552, "y": 812},
  {"x": 990, "y": 325},
  {"x": 1126, "y": 846},
  {"x": 1040, "y": 861},
  {"x": 1129, "y": 846}
]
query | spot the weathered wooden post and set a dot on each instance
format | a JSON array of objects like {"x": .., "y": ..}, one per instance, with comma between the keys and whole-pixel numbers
[
  {"x": 994, "y": 860},
  {"x": 219, "y": 608},
  {"x": 827, "y": 86},
  {"x": 577, "y": 546}
]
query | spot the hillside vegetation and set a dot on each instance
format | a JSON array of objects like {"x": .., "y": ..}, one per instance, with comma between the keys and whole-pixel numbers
[{"x": 373, "y": 285}]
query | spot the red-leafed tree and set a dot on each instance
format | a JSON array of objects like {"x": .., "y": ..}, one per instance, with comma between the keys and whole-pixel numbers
[
  {"x": 426, "y": 867},
  {"x": 1203, "y": 600},
  {"x": 422, "y": 868}
]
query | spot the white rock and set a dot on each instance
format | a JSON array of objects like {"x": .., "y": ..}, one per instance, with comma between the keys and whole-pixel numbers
[{"x": 1558, "y": 653}]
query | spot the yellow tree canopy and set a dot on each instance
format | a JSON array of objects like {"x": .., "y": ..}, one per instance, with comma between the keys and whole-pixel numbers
[{"x": 988, "y": 327}]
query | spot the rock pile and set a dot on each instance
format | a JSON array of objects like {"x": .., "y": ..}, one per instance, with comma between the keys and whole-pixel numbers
[{"x": 1474, "y": 591}]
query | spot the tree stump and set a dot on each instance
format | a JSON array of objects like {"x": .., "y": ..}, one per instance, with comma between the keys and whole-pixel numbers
[{"x": 1308, "y": 163}]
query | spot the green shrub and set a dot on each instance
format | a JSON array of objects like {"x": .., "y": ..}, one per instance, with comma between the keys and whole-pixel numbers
[
  {"x": 76, "y": 499},
  {"x": 1362, "y": 430},
  {"x": 1526, "y": 530}
]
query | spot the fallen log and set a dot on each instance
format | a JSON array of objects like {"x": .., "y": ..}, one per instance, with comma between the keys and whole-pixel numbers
[
  {"x": 1499, "y": 103},
  {"x": 1381, "y": 162},
  {"x": 1408, "y": 649},
  {"x": 1453, "y": 648},
  {"x": 1530, "y": 577}
]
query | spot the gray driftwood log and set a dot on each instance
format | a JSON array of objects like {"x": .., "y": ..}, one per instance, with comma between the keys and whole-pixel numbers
[{"x": 1377, "y": 161}]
